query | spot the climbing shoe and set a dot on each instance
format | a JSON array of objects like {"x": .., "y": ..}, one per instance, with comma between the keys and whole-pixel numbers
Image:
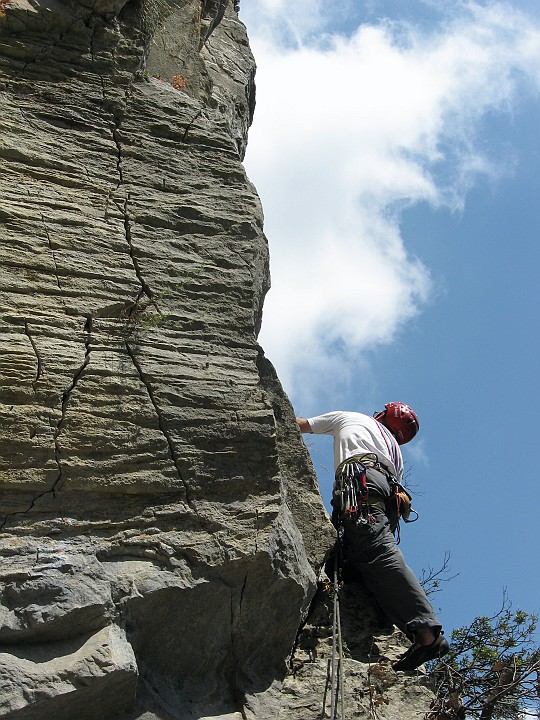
[{"x": 417, "y": 655}]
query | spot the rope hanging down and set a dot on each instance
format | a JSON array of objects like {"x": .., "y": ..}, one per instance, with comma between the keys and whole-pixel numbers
[{"x": 335, "y": 669}]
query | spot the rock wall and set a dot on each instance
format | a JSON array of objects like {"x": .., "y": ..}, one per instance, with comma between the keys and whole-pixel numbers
[{"x": 160, "y": 522}]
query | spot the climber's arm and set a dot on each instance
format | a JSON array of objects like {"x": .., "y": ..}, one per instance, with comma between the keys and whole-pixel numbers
[{"x": 303, "y": 425}]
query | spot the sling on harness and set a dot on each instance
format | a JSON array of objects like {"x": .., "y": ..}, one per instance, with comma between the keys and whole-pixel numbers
[
  {"x": 350, "y": 497},
  {"x": 399, "y": 506}
]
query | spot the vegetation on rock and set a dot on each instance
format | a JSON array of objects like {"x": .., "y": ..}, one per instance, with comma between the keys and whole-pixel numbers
[{"x": 492, "y": 671}]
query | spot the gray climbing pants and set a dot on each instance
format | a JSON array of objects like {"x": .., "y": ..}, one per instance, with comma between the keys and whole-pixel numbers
[{"x": 373, "y": 551}]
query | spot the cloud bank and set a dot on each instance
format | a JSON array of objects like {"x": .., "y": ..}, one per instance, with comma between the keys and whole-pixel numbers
[{"x": 349, "y": 130}]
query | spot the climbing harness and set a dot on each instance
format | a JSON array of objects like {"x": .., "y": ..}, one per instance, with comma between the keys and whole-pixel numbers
[{"x": 351, "y": 500}]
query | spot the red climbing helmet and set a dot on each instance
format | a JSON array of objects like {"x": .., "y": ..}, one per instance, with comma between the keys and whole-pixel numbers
[{"x": 400, "y": 420}]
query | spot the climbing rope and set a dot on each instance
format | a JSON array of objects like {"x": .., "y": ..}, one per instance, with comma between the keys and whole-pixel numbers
[{"x": 337, "y": 684}]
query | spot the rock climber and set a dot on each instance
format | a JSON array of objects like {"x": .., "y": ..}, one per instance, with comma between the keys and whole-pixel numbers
[{"x": 372, "y": 444}]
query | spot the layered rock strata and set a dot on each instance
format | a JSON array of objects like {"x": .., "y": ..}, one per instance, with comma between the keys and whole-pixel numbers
[
  {"x": 149, "y": 535},
  {"x": 160, "y": 522}
]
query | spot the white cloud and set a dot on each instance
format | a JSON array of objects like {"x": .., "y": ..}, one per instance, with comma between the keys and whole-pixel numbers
[{"x": 347, "y": 130}]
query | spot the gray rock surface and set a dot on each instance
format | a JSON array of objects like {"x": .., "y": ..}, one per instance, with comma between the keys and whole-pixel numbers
[
  {"x": 161, "y": 528},
  {"x": 371, "y": 689}
]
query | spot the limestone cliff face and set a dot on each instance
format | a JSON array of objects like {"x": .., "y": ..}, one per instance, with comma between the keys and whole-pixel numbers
[{"x": 161, "y": 526}]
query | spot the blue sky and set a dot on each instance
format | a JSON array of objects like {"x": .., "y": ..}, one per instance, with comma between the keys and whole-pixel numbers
[{"x": 396, "y": 149}]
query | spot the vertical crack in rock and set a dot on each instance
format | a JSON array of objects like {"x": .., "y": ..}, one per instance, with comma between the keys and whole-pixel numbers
[
  {"x": 242, "y": 594},
  {"x": 190, "y": 124},
  {"x": 123, "y": 207},
  {"x": 38, "y": 358},
  {"x": 256, "y": 529},
  {"x": 161, "y": 422},
  {"x": 145, "y": 288},
  {"x": 235, "y": 613},
  {"x": 234, "y": 654},
  {"x": 60, "y": 424},
  {"x": 92, "y": 52},
  {"x": 118, "y": 153},
  {"x": 215, "y": 21},
  {"x": 51, "y": 250},
  {"x": 65, "y": 401}
]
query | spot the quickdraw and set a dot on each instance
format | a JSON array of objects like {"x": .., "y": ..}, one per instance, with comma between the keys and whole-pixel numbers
[{"x": 350, "y": 498}]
